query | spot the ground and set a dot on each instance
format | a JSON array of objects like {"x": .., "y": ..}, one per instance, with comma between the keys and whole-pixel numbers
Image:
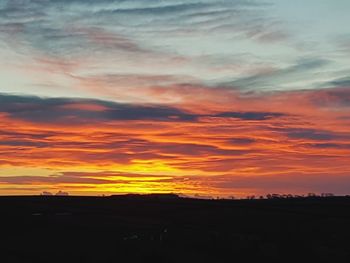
[{"x": 169, "y": 229}]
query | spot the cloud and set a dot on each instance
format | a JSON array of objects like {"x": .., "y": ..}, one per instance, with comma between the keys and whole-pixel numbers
[
  {"x": 297, "y": 183},
  {"x": 310, "y": 134},
  {"x": 78, "y": 178},
  {"x": 337, "y": 97},
  {"x": 16, "y": 142},
  {"x": 326, "y": 146},
  {"x": 179, "y": 148},
  {"x": 56, "y": 110},
  {"x": 241, "y": 141},
  {"x": 342, "y": 82},
  {"x": 257, "y": 116},
  {"x": 49, "y": 25},
  {"x": 80, "y": 181},
  {"x": 275, "y": 79},
  {"x": 342, "y": 43},
  {"x": 143, "y": 44},
  {"x": 79, "y": 111},
  {"x": 196, "y": 96},
  {"x": 288, "y": 183},
  {"x": 85, "y": 36},
  {"x": 52, "y": 180}
]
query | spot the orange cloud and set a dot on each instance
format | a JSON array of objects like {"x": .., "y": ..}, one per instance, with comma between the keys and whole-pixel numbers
[{"x": 224, "y": 150}]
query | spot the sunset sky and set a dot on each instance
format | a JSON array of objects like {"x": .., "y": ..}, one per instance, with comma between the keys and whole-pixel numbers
[{"x": 198, "y": 97}]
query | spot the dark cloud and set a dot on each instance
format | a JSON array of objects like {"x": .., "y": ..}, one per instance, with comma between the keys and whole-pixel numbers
[
  {"x": 56, "y": 110},
  {"x": 241, "y": 141},
  {"x": 326, "y": 146},
  {"x": 195, "y": 149},
  {"x": 310, "y": 134},
  {"x": 20, "y": 143},
  {"x": 256, "y": 116},
  {"x": 64, "y": 110},
  {"x": 27, "y": 136}
]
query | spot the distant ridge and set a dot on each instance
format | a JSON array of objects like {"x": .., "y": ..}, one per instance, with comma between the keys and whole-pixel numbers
[{"x": 147, "y": 196}]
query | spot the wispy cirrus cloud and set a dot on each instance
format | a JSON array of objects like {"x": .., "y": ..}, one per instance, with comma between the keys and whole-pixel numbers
[
  {"x": 83, "y": 39},
  {"x": 78, "y": 43},
  {"x": 275, "y": 79}
]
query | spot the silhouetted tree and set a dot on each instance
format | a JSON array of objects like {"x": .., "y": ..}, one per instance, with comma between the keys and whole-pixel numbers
[{"x": 311, "y": 195}]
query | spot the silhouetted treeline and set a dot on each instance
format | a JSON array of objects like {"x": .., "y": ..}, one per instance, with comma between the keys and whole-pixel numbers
[{"x": 289, "y": 196}]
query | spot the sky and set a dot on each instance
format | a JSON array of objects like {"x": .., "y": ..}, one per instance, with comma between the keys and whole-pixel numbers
[{"x": 197, "y": 97}]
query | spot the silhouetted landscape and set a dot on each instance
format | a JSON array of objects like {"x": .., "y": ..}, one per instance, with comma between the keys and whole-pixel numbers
[{"x": 167, "y": 228}]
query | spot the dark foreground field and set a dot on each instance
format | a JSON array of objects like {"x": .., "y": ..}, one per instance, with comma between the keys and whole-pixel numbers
[{"x": 125, "y": 229}]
